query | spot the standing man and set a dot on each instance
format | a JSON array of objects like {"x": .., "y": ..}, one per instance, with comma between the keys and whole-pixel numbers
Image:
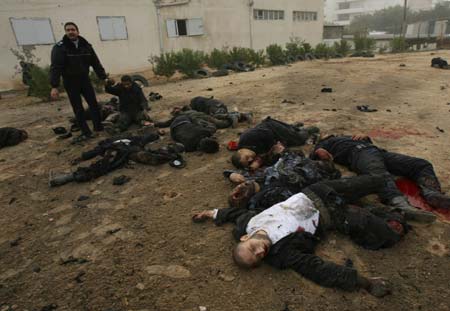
[{"x": 71, "y": 58}]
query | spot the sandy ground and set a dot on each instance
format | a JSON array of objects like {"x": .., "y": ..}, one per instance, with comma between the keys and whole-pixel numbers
[{"x": 159, "y": 260}]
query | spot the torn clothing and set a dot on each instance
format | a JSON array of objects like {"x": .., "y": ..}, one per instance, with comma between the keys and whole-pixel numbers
[
  {"x": 295, "y": 214},
  {"x": 131, "y": 101},
  {"x": 265, "y": 135},
  {"x": 296, "y": 172},
  {"x": 10, "y": 136}
]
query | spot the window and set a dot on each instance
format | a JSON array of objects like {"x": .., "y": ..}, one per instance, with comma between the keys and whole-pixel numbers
[
  {"x": 268, "y": 14},
  {"x": 184, "y": 27},
  {"x": 344, "y": 5},
  {"x": 32, "y": 31},
  {"x": 343, "y": 17},
  {"x": 302, "y": 16},
  {"x": 112, "y": 28}
]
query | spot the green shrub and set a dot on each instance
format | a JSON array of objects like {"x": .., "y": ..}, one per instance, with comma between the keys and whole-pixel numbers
[
  {"x": 164, "y": 65},
  {"x": 188, "y": 61},
  {"x": 398, "y": 45},
  {"x": 343, "y": 47},
  {"x": 98, "y": 84},
  {"x": 240, "y": 55},
  {"x": 276, "y": 54},
  {"x": 293, "y": 50},
  {"x": 362, "y": 43},
  {"x": 324, "y": 51},
  {"x": 307, "y": 48},
  {"x": 257, "y": 58},
  {"x": 40, "y": 85},
  {"x": 218, "y": 58}
]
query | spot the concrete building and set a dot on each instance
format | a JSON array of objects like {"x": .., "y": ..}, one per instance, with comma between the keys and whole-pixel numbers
[
  {"x": 125, "y": 33},
  {"x": 342, "y": 12}
]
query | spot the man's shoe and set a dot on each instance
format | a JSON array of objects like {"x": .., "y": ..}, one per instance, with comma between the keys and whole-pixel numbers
[
  {"x": 438, "y": 200},
  {"x": 234, "y": 120},
  {"x": 82, "y": 138},
  {"x": 412, "y": 213},
  {"x": 59, "y": 180}
]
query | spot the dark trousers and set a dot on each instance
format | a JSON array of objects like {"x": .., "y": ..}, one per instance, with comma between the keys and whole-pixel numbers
[
  {"x": 370, "y": 229},
  {"x": 373, "y": 161},
  {"x": 287, "y": 134},
  {"x": 81, "y": 86}
]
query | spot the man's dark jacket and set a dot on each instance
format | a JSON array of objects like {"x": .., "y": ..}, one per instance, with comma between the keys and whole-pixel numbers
[
  {"x": 71, "y": 62},
  {"x": 131, "y": 101}
]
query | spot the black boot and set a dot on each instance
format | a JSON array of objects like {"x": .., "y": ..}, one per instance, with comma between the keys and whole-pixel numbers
[
  {"x": 431, "y": 191},
  {"x": 59, "y": 180}
]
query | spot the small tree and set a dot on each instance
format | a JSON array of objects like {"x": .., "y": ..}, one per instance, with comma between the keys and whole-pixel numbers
[
  {"x": 217, "y": 58},
  {"x": 164, "y": 65},
  {"x": 257, "y": 58},
  {"x": 343, "y": 47},
  {"x": 398, "y": 45},
  {"x": 40, "y": 84},
  {"x": 276, "y": 54},
  {"x": 188, "y": 61}
]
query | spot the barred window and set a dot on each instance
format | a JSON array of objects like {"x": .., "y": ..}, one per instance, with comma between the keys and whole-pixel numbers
[
  {"x": 301, "y": 16},
  {"x": 268, "y": 14}
]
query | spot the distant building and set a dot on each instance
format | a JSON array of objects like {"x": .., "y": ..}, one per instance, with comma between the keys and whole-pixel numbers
[
  {"x": 342, "y": 12},
  {"x": 126, "y": 33}
]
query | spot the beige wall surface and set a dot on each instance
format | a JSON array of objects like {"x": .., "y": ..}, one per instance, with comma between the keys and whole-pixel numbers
[
  {"x": 229, "y": 23},
  {"x": 117, "y": 56}
]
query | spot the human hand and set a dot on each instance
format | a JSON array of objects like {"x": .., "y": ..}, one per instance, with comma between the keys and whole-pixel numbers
[
  {"x": 237, "y": 178},
  {"x": 54, "y": 93},
  {"x": 359, "y": 137},
  {"x": 278, "y": 148},
  {"x": 203, "y": 216}
]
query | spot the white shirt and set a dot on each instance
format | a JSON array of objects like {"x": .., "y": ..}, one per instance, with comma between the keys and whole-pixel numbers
[
  {"x": 295, "y": 214},
  {"x": 76, "y": 42}
]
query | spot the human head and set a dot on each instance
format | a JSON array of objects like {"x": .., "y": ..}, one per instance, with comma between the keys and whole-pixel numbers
[
  {"x": 126, "y": 82},
  {"x": 208, "y": 145},
  {"x": 322, "y": 154},
  {"x": 243, "y": 158},
  {"x": 251, "y": 250},
  {"x": 242, "y": 193},
  {"x": 71, "y": 30}
]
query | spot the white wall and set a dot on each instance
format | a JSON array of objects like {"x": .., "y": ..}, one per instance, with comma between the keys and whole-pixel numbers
[
  {"x": 116, "y": 56},
  {"x": 227, "y": 24}
]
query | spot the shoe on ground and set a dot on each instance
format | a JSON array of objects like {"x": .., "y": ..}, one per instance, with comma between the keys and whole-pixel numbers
[{"x": 412, "y": 213}]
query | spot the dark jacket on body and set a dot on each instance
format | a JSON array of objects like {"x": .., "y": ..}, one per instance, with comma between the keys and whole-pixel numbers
[
  {"x": 71, "y": 62},
  {"x": 131, "y": 101}
]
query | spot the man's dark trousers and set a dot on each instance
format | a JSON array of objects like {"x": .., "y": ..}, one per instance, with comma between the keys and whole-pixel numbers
[
  {"x": 374, "y": 161},
  {"x": 82, "y": 86}
]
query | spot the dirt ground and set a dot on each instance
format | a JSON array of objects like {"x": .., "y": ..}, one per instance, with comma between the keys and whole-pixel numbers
[{"x": 135, "y": 244}]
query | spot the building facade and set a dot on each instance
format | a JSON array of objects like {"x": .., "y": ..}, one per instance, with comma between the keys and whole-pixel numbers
[
  {"x": 341, "y": 12},
  {"x": 125, "y": 33}
]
